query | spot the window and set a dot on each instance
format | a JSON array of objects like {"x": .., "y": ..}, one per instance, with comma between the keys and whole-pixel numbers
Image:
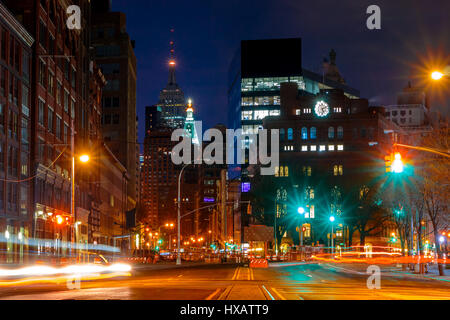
[
  {"x": 282, "y": 134},
  {"x": 313, "y": 148},
  {"x": 50, "y": 120},
  {"x": 371, "y": 133},
  {"x": 41, "y": 112},
  {"x": 24, "y": 132},
  {"x": 311, "y": 212},
  {"x": 25, "y": 101},
  {"x": 363, "y": 132},
  {"x": 313, "y": 133},
  {"x": 340, "y": 132},
  {"x": 297, "y": 112},
  {"x": 306, "y": 110},
  {"x": 330, "y": 147},
  {"x": 110, "y": 68},
  {"x": 261, "y": 114},
  {"x": 3, "y": 82},
  {"x": 247, "y": 115},
  {"x": 42, "y": 68},
  {"x": 306, "y": 171},
  {"x": 355, "y": 133},
  {"x": 116, "y": 118},
  {"x": 304, "y": 133},
  {"x": 58, "y": 92},
  {"x": 340, "y": 147},
  {"x": 3, "y": 44},
  {"x": 66, "y": 100},
  {"x": 304, "y": 148},
  {"x": 51, "y": 85},
  {"x": 337, "y": 110},
  {"x": 290, "y": 134},
  {"x": 331, "y": 133},
  {"x": 26, "y": 65},
  {"x": 2, "y": 118},
  {"x": 72, "y": 109},
  {"x": 42, "y": 33},
  {"x": 105, "y": 51},
  {"x": 338, "y": 170},
  {"x": 73, "y": 78},
  {"x": 2, "y": 159},
  {"x": 66, "y": 130},
  {"x": 322, "y": 147},
  {"x": 58, "y": 126}
]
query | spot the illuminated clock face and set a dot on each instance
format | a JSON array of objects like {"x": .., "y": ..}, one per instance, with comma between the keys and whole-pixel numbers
[{"x": 321, "y": 109}]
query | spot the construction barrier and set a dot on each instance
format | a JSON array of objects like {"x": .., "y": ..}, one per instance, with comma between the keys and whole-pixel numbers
[{"x": 258, "y": 263}]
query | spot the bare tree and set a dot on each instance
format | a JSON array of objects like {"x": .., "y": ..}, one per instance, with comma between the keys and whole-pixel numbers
[{"x": 434, "y": 186}]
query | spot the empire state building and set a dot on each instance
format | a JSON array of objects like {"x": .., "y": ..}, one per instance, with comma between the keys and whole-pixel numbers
[{"x": 171, "y": 99}]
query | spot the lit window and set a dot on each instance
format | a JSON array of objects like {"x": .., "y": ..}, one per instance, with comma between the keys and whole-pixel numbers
[
  {"x": 330, "y": 132},
  {"x": 313, "y": 148},
  {"x": 297, "y": 112},
  {"x": 313, "y": 133},
  {"x": 311, "y": 212},
  {"x": 286, "y": 171},
  {"x": 281, "y": 171},
  {"x": 304, "y": 133},
  {"x": 337, "y": 110},
  {"x": 276, "y": 171},
  {"x": 335, "y": 170},
  {"x": 321, "y": 148},
  {"x": 290, "y": 134},
  {"x": 330, "y": 147},
  {"x": 340, "y": 147},
  {"x": 304, "y": 148},
  {"x": 340, "y": 132},
  {"x": 341, "y": 170}
]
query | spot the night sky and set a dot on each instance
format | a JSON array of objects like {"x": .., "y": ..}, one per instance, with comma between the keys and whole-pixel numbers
[{"x": 414, "y": 36}]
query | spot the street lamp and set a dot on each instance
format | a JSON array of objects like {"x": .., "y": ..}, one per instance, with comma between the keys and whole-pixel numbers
[
  {"x": 301, "y": 211},
  {"x": 332, "y": 239},
  {"x": 83, "y": 158},
  {"x": 179, "y": 215}
]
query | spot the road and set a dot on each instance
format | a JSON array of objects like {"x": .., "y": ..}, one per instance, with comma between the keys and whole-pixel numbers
[{"x": 308, "y": 281}]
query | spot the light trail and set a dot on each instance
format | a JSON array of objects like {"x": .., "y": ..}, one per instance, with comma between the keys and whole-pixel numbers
[{"x": 77, "y": 269}]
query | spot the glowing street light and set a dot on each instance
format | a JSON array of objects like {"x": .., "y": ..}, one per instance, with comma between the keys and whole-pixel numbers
[
  {"x": 332, "y": 218},
  {"x": 301, "y": 210},
  {"x": 84, "y": 158},
  {"x": 436, "y": 75},
  {"x": 397, "y": 165}
]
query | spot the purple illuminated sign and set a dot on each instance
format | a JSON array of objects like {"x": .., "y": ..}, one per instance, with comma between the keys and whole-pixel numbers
[
  {"x": 208, "y": 199},
  {"x": 245, "y": 186}
]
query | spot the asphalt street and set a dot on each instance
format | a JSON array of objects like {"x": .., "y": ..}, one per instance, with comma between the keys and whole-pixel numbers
[{"x": 316, "y": 281}]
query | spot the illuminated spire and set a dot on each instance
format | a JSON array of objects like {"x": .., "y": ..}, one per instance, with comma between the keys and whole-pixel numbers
[{"x": 172, "y": 79}]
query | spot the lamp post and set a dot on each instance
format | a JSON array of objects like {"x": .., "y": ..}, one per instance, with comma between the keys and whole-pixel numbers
[
  {"x": 301, "y": 211},
  {"x": 332, "y": 240},
  {"x": 179, "y": 215}
]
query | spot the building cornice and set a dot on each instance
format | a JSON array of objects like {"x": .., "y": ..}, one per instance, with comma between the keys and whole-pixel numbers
[{"x": 15, "y": 25}]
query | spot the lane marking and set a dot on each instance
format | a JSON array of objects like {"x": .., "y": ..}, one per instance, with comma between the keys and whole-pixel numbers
[
  {"x": 225, "y": 294},
  {"x": 213, "y": 294},
  {"x": 277, "y": 293},
  {"x": 252, "y": 274},
  {"x": 248, "y": 274},
  {"x": 268, "y": 292},
  {"x": 238, "y": 273},
  {"x": 235, "y": 273}
]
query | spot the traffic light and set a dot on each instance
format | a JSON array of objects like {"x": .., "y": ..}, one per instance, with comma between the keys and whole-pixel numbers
[
  {"x": 388, "y": 161},
  {"x": 397, "y": 164}
]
